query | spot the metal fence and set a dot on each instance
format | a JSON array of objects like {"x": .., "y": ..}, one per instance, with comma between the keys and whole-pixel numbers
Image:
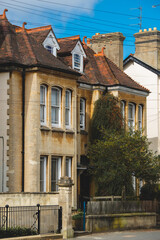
[
  {"x": 115, "y": 207},
  {"x": 42, "y": 219}
]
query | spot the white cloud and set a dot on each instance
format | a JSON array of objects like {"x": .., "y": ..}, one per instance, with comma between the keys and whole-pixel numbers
[{"x": 19, "y": 9}]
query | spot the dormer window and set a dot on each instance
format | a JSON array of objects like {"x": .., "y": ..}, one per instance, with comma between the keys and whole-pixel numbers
[
  {"x": 77, "y": 62},
  {"x": 50, "y": 43},
  {"x": 78, "y": 55}
]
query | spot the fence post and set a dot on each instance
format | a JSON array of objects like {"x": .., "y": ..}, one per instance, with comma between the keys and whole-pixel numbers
[
  {"x": 65, "y": 200},
  {"x": 59, "y": 219},
  {"x": 84, "y": 212},
  {"x": 38, "y": 217},
  {"x": 7, "y": 206}
]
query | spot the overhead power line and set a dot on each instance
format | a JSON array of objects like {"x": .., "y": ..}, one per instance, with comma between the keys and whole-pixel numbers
[
  {"x": 21, "y": 7},
  {"x": 68, "y": 13}
]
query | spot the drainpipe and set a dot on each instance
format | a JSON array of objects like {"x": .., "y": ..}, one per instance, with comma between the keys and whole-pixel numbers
[
  {"x": 23, "y": 125},
  {"x": 2, "y": 164}
]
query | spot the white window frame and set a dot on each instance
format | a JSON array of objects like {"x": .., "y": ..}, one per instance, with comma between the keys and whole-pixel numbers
[
  {"x": 43, "y": 105},
  {"x": 56, "y": 107},
  {"x": 82, "y": 113},
  {"x": 131, "y": 120},
  {"x": 55, "y": 161},
  {"x": 77, "y": 62},
  {"x": 140, "y": 117},
  {"x": 68, "y": 94},
  {"x": 43, "y": 161},
  {"x": 68, "y": 167}
]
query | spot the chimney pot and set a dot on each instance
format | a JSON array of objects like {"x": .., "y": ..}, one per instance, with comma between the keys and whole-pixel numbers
[
  {"x": 145, "y": 30},
  {"x": 150, "y": 29},
  {"x": 140, "y": 30},
  {"x": 97, "y": 34},
  {"x": 154, "y": 28}
]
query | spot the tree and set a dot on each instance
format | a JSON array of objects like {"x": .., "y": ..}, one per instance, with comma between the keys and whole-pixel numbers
[
  {"x": 117, "y": 155},
  {"x": 107, "y": 115}
]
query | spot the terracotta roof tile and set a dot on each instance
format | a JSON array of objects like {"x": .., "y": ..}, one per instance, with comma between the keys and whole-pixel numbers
[
  {"x": 20, "y": 46},
  {"x": 67, "y": 44},
  {"x": 98, "y": 69}
]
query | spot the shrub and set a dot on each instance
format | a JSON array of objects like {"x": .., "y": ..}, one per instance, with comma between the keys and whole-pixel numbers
[
  {"x": 150, "y": 192},
  {"x": 78, "y": 215},
  {"x": 16, "y": 232}
]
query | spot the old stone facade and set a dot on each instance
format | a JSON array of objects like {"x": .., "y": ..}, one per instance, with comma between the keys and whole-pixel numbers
[{"x": 49, "y": 88}]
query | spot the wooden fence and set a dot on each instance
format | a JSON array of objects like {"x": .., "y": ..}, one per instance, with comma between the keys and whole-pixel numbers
[{"x": 114, "y": 207}]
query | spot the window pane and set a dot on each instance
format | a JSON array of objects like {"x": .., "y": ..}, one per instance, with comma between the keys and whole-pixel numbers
[
  {"x": 82, "y": 113},
  {"x": 55, "y": 106},
  {"x": 49, "y": 48},
  {"x": 77, "y": 60},
  {"x": 43, "y": 90},
  {"x": 55, "y": 173},
  {"x": 67, "y": 117},
  {"x": 68, "y": 166},
  {"x": 68, "y": 108},
  {"x": 43, "y": 174}
]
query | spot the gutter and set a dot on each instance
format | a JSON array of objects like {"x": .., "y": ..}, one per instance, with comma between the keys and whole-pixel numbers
[{"x": 23, "y": 125}]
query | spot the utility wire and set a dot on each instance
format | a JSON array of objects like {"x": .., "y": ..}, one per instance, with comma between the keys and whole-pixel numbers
[
  {"x": 94, "y": 19},
  {"x": 96, "y": 10},
  {"x": 22, "y": 9}
]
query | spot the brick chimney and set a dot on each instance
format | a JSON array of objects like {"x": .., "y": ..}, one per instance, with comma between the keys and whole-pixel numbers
[
  {"x": 147, "y": 43},
  {"x": 113, "y": 43}
]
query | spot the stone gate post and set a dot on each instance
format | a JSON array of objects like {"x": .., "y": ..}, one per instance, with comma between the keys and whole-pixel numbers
[{"x": 65, "y": 200}]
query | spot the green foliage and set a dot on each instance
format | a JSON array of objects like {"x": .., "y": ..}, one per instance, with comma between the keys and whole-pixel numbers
[
  {"x": 16, "y": 232},
  {"x": 115, "y": 155},
  {"x": 78, "y": 215},
  {"x": 107, "y": 115},
  {"x": 150, "y": 192}
]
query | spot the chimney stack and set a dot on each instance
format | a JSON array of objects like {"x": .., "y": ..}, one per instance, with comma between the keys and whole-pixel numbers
[
  {"x": 147, "y": 45},
  {"x": 113, "y": 43}
]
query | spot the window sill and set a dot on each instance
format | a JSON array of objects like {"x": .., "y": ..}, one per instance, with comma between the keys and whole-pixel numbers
[
  {"x": 60, "y": 130},
  {"x": 83, "y": 132},
  {"x": 70, "y": 131},
  {"x": 44, "y": 128}
]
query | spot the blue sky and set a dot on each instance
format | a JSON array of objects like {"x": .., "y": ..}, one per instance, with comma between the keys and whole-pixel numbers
[{"x": 85, "y": 17}]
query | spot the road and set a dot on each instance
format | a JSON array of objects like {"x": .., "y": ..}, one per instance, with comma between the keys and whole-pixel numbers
[{"x": 124, "y": 235}]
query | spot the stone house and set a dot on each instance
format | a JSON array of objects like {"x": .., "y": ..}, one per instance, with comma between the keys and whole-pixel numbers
[
  {"x": 48, "y": 89},
  {"x": 101, "y": 75},
  {"x": 144, "y": 67}
]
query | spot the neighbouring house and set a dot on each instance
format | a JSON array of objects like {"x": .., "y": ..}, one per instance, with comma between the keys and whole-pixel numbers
[
  {"x": 101, "y": 75},
  {"x": 48, "y": 89},
  {"x": 144, "y": 67}
]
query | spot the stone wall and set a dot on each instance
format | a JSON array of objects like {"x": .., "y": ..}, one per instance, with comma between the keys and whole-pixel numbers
[
  {"x": 28, "y": 199},
  {"x": 108, "y": 222}
]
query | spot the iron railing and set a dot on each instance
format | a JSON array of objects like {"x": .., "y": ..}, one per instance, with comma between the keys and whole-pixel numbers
[{"x": 41, "y": 219}]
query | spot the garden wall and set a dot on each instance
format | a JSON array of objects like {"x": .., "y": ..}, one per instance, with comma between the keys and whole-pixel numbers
[
  {"x": 120, "y": 215},
  {"x": 28, "y": 199}
]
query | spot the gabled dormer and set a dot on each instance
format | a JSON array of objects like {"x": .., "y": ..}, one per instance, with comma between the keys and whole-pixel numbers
[
  {"x": 78, "y": 55},
  {"x": 51, "y": 44}
]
